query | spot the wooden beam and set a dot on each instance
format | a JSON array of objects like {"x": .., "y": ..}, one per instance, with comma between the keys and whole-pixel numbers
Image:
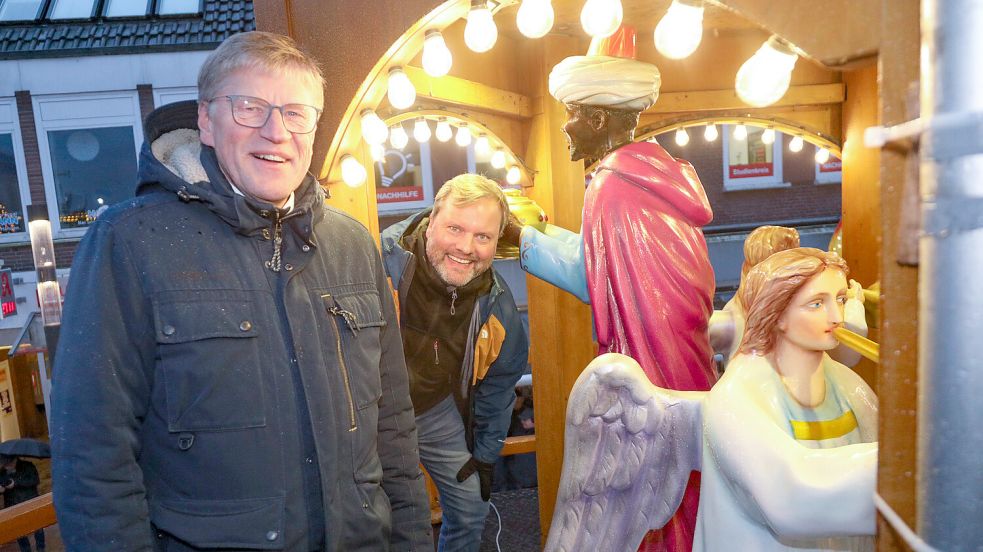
[
  {"x": 519, "y": 445},
  {"x": 717, "y": 100},
  {"x": 470, "y": 95},
  {"x": 27, "y": 517}
]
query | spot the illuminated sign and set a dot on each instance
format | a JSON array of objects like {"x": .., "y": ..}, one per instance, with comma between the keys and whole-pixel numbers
[{"x": 7, "y": 298}]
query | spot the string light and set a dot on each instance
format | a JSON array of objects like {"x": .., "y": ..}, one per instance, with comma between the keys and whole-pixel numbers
[
  {"x": 710, "y": 134},
  {"x": 535, "y": 18},
  {"x": 443, "y": 132},
  {"x": 480, "y": 33},
  {"x": 374, "y": 131},
  {"x": 482, "y": 146},
  {"x": 822, "y": 155},
  {"x": 764, "y": 78},
  {"x": 352, "y": 172},
  {"x": 513, "y": 175},
  {"x": 795, "y": 146},
  {"x": 378, "y": 152},
  {"x": 682, "y": 137},
  {"x": 681, "y": 29},
  {"x": 421, "y": 130},
  {"x": 398, "y": 137},
  {"x": 498, "y": 159},
  {"x": 768, "y": 136},
  {"x": 463, "y": 136},
  {"x": 436, "y": 56},
  {"x": 400, "y": 91},
  {"x": 600, "y": 18},
  {"x": 740, "y": 132}
]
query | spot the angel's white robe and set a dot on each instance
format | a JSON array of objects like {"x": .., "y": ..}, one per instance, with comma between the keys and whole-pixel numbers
[{"x": 762, "y": 489}]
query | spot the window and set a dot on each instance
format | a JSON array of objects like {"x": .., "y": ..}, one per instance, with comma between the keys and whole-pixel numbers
[
  {"x": 126, "y": 8},
  {"x": 829, "y": 172},
  {"x": 88, "y": 149},
  {"x": 72, "y": 9},
  {"x": 164, "y": 96},
  {"x": 20, "y": 10},
  {"x": 177, "y": 7},
  {"x": 13, "y": 176},
  {"x": 750, "y": 163}
]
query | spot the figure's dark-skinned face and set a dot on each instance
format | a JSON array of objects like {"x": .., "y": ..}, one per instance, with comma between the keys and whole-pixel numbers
[{"x": 586, "y": 130}]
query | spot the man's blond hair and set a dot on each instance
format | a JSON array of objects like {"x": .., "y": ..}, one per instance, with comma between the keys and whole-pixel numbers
[
  {"x": 256, "y": 50},
  {"x": 465, "y": 189}
]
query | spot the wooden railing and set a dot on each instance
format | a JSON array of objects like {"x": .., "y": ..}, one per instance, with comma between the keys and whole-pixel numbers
[{"x": 27, "y": 517}]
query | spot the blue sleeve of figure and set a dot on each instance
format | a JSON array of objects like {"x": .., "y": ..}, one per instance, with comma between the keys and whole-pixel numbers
[{"x": 556, "y": 256}]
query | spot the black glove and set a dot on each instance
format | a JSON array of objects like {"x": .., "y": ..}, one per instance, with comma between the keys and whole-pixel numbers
[{"x": 485, "y": 472}]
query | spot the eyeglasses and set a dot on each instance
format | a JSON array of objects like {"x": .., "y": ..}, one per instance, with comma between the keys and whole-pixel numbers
[{"x": 255, "y": 112}]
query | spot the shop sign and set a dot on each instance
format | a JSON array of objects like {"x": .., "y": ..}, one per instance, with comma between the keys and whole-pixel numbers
[{"x": 8, "y": 300}]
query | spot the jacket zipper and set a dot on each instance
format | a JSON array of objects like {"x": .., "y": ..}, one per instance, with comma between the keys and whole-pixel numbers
[
  {"x": 453, "y": 298},
  {"x": 345, "y": 376},
  {"x": 436, "y": 357}
]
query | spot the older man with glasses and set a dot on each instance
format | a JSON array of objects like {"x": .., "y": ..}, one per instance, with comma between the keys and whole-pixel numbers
[{"x": 230, "y": 374}]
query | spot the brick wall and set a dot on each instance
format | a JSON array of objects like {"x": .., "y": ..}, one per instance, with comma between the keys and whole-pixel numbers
[
  {"x": 804, "y": 199},
  {"x": 32, "y": 153},
  {"x": 145, "y": 95},
  {"x": 20, "y": 258}
]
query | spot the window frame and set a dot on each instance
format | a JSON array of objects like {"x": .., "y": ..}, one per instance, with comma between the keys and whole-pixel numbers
[
  {"x": 52, "y": 4},
  {"x": 20, "y": 164},
  {"x": 832, "y": 177},
  {"x": 777, "y": 180},
  {"x": 165, "y": 96},
  {"x": 85, "y": 120},
  {"x": 42, "y": 5}
]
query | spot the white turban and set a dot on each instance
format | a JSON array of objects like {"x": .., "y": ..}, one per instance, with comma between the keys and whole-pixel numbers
[{"x": 606, "y": 81}]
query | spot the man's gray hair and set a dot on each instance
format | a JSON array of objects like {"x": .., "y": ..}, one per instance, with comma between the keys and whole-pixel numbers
[
  {"x": 255, "y": 50},
  {"x": 465, "y": 189}
]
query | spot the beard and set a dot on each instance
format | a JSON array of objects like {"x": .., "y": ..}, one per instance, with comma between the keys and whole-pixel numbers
[{"x": 455, "y": 278}]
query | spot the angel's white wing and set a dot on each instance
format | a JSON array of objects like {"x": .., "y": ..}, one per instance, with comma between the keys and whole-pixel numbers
[{"x": 630, "y": 447}]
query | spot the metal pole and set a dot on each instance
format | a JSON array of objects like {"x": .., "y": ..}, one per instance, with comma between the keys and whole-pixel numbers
[{"x": 950, "y": 433}]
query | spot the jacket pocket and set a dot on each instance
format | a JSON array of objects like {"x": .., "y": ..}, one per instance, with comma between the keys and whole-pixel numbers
[
  {"x": 209, "y": 360},
  {"x": 356, "y": 320},
  {"x": 248, "y": 524}
]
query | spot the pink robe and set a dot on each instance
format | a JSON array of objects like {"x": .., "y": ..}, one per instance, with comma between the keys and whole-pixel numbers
[{"x": 651, "y": 283}]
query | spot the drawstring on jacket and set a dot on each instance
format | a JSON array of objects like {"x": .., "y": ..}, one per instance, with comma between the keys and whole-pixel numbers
[{"x": 274, "y": 262}]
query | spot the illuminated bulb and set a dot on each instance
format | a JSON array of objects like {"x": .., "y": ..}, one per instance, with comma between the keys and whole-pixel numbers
[
  {"x": 400, "y": 90},
  {"x": 480, "y": 33},
  {"x": 444, "y": 132},
  {"x": 498, "y": 159},
  {"x": 535, "y": 18},
  {"x": 482, "y": 147},
  {"x": 740, "y": 132},
  {"x": 374, "y": 131},
  {"x": 822, "y": 155},
  {"x": 600, "y": 18},
  {"x": 352, "y": 172},
  {"x": 764, "y": 78},
  {"x": 710, "y": 134},
  {"x": 682, "y": 137},
  {"x": 795, "y": 146},
  {"x": 398, "y": 137},
  {"x": 421, "y": 131},
  {"x": 463, "y": 136},
  {"x": 679, "y": 32},
  {"x": 436, "y": 56},
  {"x": 768, "y": 136},
  {"x": 513, "y": 175},
  {"x": 378, "y": 152}
]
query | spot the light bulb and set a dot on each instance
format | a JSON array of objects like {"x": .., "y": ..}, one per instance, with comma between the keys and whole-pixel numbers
[
  {"x": 710, "y": 134},
  {"x": 400, "y": 90},
  {"x": 352, "y": 172},
  {"x": 482, "y": 147},
  {"x": 444, "y": 132},
  {"x": 378, "y": 152},
  {"x": 600, "y": 18},
  {"x": 822, "y": 155},
  {"x": 764, "y": 78},
  {"x": 374, "y": 131},
  {"x": 498, "y": 159},
  {"x": 421, "y": 131},
  {"x": 480, "y": 33},
  {"x": 398, "y": 137},
  {"x": 463, "y": 136},
  {"x": 795, "y": 146},
  {"x": 682, "y": 137},
  {"x": 436, "y": 56},
  {"x": 768, "y": 136},
  {"x": 535, "y": 18},
  {"x": 740, "y": 132},
  {"x": 679, "y": 32},
  {"x": 513, "y": 175}
]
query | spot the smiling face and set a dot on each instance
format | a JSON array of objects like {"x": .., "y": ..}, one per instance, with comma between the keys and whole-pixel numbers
[
  {"x": 815, "y": 310},
  {"x": 461, "y": 240},
  {"x": 268, "y": 162}
]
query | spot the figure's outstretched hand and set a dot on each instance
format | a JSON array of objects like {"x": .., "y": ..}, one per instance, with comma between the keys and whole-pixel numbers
[
  {"x": 485, "y": 472},
  {"x": 513, "y": 230},
  {"x": 856, "y": 291}
]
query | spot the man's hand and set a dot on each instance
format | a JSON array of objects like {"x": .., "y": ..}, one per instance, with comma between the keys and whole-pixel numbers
[
  {"x": 513, "y": 230},
  {"x": 485, "y": 472}
]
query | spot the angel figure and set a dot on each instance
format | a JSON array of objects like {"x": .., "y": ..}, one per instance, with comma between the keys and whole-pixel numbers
[{"x": 786, "y": 439}]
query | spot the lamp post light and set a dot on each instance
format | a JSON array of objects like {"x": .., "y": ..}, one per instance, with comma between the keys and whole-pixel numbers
[{"x": 49, "y": 292}]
